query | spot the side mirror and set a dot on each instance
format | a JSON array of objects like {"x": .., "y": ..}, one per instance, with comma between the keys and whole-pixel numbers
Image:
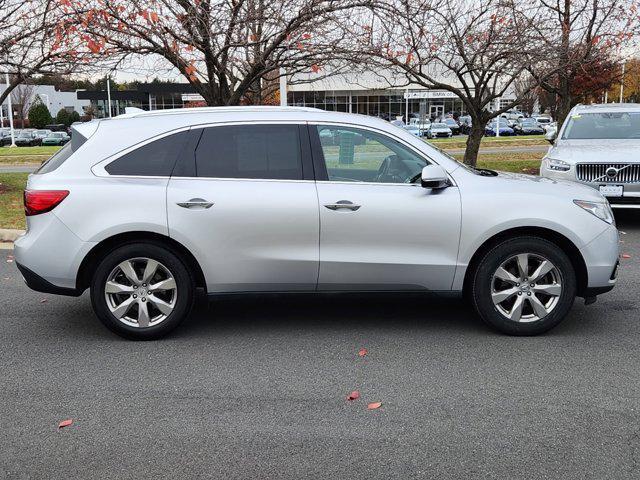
[
  {"x": 551, "y": 135},
  {"x": 434, "y": 176}
]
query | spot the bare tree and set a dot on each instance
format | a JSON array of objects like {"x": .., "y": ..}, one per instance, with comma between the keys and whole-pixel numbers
[
  {"x": 476, "y": 50},
  {"x": 21, "y": 98},
  {"x": 228, "y": 51},
  {"x": 577, "y": 35},
  {"x": 40, "y": 37}
]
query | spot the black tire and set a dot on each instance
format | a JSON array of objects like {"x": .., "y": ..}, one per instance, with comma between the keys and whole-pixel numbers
[
  {"x": 481, "y": 285},
  {"x": 185, "y": 293}
]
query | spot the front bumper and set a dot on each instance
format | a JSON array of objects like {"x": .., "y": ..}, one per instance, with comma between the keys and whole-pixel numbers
[
  {"x": 601, "y": 259},
  {"x": 629, "y": 199}
]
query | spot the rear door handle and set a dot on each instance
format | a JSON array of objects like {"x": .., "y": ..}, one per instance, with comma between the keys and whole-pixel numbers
[
  {"x": 195, "y": 203},
  {"x": 342, "y": 204}
]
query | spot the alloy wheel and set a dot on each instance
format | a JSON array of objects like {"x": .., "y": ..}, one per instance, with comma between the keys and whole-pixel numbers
[
  {"x": 526, "y": 287},
  {"x": 141, "y": 292}
]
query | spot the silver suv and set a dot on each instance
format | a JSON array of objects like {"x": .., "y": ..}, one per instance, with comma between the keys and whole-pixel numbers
[
  {"x": 599, "y": 146},
  {"x": 150, "y": 208}
]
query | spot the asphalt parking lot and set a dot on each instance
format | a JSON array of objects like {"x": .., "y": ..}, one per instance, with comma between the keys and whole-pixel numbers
[{"x": 256, "y": 387}]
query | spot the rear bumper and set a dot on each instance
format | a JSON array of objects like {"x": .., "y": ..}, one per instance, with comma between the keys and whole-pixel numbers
[
  {"x": 39, "y": 284},
  {"x": 49, "y": 255}
]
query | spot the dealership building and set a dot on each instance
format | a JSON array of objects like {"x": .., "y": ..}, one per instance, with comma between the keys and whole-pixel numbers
[{"x": 366, "y": 94}]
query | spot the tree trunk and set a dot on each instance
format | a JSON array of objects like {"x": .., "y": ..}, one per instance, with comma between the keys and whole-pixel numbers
[
  {"x": 473, "y": 142},
  {"x": 564, "y": 101}
]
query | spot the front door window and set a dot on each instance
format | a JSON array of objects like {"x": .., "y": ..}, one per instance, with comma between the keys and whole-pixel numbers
[{"x": 358, "y": 155}]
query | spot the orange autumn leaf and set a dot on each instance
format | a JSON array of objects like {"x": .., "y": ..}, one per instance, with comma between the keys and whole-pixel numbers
[
  {"x": 626, "y": 255},
  {"x": 362, "y": 352},
  {"x": 65, "y": 423},
  {"x": 315, "y": 68},
  {"x": 374, "y": 405},
  {"x": 154, "y": 17},
  {"x": 353, "y": 395}
]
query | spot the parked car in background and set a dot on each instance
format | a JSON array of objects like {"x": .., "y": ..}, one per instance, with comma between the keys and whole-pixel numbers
[
  {"x": 465, "y": 124},
  {"x": 42, "y": 133},
  {"x": 542, "y": 119},
  {"x": 512, "y": 115},
  {"x": 453, "y": 126},
  {"x": 56, "y": 138},
  {"x": 422, "y": 125},
  {"x": 527, "y": 126},
  {"x": 413, "y": 130},
  {"x": 6, "y": 139},
  {"x": 439, "y": 130},
  {"x": 27, "y": 138},
  {"x": 491, "y": 129},
  {"x": 598, "y": 145},
  {"x": 149, "y": 210}
]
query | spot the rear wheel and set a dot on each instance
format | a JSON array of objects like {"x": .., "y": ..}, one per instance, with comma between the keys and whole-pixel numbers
[
  {"x": 524, "y": 286},
  {"x": 142, "y": 291}
]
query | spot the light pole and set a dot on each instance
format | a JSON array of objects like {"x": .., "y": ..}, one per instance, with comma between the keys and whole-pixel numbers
[
  {"x": 283, "y": 87},
  {"x": 10, "y": 114},
  {"x": 109, "y": 95}
]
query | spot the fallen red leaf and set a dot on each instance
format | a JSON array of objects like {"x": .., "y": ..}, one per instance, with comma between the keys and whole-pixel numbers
[
  {"x": 363, "y": 352},
  {"x": 65, "y": 423},
  {"x": 353, "y": 395},
  {"x": 374, "y": 405},
  {"x": 626, "y": 255}
]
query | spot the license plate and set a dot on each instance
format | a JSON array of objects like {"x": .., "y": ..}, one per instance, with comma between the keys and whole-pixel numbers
[{"x": 612, "y": 190}]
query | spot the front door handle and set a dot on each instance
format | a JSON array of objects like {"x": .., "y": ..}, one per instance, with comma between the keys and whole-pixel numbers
[
  {"x": 342, "y": 204},
  {"x": 195, "y": 203}
]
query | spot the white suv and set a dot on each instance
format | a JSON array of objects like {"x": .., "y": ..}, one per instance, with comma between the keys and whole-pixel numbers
[
  {"x": 149, "y": 208},
  {"x": 598, "y": 145}
]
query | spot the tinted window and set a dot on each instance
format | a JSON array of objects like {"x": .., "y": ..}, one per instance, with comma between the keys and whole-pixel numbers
[
  {"x": 153, "y": 159},
  {"x": 354, "y": 155},
  {"x": 250, "y": 151},
  {"x": 57, "y": 159}
]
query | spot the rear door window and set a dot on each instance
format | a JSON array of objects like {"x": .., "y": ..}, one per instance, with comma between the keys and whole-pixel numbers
[{"x": 250, "y": 151}]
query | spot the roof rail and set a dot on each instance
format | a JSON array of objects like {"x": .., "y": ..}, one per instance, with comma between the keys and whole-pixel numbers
[{"x": 132, "y": 112}]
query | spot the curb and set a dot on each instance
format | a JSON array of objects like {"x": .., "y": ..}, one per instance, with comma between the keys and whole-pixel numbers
[{"x": 9, "y": 235}]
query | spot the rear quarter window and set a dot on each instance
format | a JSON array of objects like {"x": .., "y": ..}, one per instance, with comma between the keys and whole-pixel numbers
[
  {"x": 57, "y": 159},
  {"x": 154, "y": 159}
]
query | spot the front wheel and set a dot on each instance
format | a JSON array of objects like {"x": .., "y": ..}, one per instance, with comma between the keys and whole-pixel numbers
[
  {"x": 142, "y": 291},
  {"x": 524, "y": 286}
]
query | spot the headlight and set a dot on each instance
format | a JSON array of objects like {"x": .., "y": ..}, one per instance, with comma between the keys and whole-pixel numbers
[
  {"x": 557, "y": 165},
  {"x": 602, "y": 210}
]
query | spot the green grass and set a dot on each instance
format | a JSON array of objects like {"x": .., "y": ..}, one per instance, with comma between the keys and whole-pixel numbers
[
  {"x": 25, "y": 155},
  {"x": 493, "y": 142},
  {"x": 525, "y": 162},
  {"x": 16, "y": 151},
  {"x": 11, "y": 206}
]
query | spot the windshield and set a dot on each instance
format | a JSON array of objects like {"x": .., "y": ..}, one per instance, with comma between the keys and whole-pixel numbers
[
  {"x": 587, "y": 126},
  {"x": 529, "y": 123},
  {"x": 439, "y": 125}
]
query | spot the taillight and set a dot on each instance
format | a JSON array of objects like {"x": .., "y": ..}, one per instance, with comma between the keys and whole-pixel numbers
[{"x": 41, "y": 201}]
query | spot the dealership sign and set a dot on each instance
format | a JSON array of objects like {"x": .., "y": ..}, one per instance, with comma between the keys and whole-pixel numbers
[
  {"x": 192, "y": 97},
  {"x": 429, "y": 94}
]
